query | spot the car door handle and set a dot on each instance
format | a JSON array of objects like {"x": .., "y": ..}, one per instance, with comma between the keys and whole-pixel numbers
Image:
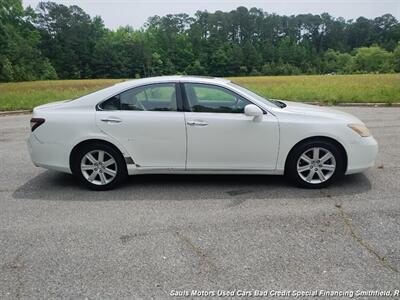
[
  {"x": 196, "y": 123},
  {"x": 111, "y": 120}
]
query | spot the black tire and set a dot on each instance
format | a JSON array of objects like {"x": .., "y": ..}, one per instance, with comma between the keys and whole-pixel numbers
[
  {"x": 121, "y": 171},
  {"x": 293, "y": 158}
]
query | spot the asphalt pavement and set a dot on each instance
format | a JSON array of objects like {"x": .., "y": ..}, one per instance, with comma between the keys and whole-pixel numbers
[{"x": 171, "y": 234}]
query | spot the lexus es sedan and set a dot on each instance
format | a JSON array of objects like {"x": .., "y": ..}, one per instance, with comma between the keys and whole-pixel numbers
[{"x": 195, "y": 125}]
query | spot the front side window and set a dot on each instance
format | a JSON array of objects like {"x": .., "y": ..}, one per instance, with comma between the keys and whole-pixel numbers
[
  {"x": 214, "y": 99},
  {"x": 155, "y": 97}
]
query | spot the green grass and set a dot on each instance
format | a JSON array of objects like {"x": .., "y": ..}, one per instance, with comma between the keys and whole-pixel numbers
[
  {"x": 27, "y": 95},
  {"x": 382, "y": 88}
]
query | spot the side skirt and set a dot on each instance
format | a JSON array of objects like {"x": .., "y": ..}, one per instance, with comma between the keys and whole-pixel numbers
[{"x": 133, "y": 170}]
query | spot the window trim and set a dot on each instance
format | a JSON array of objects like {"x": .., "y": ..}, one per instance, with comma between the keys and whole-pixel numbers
[
  {"x": 178, "y": 93},
  {"x": 186, "y": 106}
]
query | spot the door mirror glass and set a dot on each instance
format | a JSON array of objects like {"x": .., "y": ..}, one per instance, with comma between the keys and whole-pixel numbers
[{"x": 252, "y": 110}]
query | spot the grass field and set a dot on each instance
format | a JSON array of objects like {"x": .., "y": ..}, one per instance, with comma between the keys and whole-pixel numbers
[{"x": 314, "y": 88}]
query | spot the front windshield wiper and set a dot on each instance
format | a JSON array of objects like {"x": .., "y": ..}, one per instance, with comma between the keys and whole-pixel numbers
[{"x": 278, "y": 103}]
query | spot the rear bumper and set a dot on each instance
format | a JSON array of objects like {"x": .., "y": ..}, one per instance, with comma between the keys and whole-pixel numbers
[
  {"x": 48, "y": 156},
  {"x": 361, "y": 154}
]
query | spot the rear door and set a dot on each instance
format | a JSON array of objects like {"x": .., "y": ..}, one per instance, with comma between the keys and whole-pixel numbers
[
  {"x": 221, "y": 137},
  {"x": 147, "y": 122}
]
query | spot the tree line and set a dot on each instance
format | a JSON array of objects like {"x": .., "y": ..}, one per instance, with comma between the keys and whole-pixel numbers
[{"x": 56, "y": 41}]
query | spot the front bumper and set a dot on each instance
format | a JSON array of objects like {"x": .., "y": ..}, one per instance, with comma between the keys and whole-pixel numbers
[
  {"x": 361, "y": 154},
  {"x": 48, "y": 156}
]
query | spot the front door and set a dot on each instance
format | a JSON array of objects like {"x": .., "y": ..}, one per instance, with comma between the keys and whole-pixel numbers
[
  {"x": 146, "y": 121},
  {"x": 221, "y": 137}
]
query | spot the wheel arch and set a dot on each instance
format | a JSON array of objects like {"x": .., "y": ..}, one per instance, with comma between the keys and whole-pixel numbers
[
  {"x": 320, "y": 138},
  {"x": 75, "y": 149}
]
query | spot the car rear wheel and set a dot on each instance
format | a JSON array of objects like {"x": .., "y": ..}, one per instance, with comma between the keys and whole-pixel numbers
[
  {"x": 315, "y": 164},
  {"x": 99, "y": 166}
]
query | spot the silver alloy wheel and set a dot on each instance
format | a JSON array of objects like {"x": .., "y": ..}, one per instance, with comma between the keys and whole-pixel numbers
[
  {"x": 99, "y": 167},
  {"x": 316, "y": 165}
]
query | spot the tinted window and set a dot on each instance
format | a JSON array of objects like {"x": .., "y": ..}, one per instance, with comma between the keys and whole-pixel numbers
[
  {"x": 156, "y": 97},
  {"x": 210, "y": 98}
]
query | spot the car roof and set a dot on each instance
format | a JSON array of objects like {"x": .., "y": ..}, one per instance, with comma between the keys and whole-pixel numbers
[{"x": 173, "y": 78}]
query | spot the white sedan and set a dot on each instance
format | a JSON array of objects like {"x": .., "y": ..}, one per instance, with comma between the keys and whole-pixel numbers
[{"x": 195, "y": 125}]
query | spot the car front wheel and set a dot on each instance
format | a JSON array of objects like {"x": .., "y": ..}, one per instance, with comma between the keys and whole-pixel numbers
[
  {"x": 99, "y": 166},
  {"x": 315, "y": 164}
]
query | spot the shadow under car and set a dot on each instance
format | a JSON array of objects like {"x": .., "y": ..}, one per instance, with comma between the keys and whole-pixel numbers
[{"x": 50, "y": 185}]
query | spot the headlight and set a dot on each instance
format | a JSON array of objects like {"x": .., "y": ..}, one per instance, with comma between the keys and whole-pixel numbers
[{"x": 361, "y": 129}]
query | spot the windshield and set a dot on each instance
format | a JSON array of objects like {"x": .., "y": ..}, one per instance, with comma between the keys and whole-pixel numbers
[{"x": 257, "y": 96}]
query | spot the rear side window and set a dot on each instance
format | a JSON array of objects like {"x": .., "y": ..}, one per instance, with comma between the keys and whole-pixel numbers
[
  {"x": 154, "y": 97},
  {"x": 214, "y": 99}
]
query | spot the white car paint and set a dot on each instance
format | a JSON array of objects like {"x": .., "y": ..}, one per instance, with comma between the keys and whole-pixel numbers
[
  {"x": 162, "y": 141},
  {"x": 152, "y": 139},
  {"x": 235, "y": 141}
]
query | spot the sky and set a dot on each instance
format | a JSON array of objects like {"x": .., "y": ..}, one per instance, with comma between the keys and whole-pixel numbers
[{"x": 135, "y": 12}]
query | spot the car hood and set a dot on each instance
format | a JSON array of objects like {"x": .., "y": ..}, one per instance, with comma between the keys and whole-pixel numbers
[{"x": 319, "y": 111}]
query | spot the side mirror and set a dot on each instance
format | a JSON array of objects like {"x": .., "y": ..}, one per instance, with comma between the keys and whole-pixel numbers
[{"x": 254, "y": 111}]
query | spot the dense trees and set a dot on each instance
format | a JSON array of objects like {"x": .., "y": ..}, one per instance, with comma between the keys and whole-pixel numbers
[
  {"x": 58, "y": 41},
  {"x": 20, "y": 55}
]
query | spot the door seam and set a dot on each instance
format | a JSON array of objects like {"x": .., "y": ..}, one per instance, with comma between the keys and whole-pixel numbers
[{"x": 186, "y": 143}]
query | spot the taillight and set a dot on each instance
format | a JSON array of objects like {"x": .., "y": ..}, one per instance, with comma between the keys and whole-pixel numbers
[{"x": 36, "y": 122}]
